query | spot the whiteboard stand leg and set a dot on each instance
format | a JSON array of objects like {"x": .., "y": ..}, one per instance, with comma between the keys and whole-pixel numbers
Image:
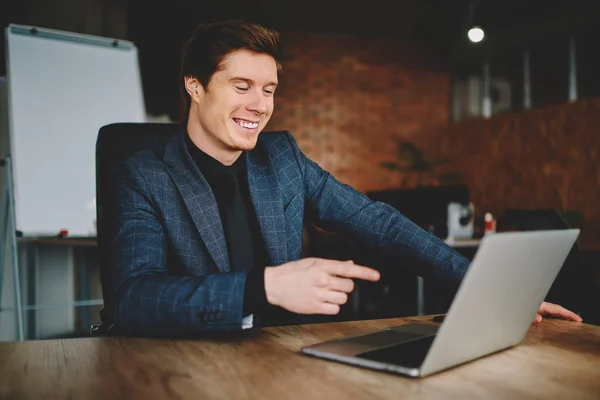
[
  {"x": 3, "y": 246},
  {"x": 12, "y": 236}
]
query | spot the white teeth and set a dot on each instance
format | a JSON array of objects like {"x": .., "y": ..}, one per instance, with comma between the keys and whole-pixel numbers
[{"x": 249, "y": 125}]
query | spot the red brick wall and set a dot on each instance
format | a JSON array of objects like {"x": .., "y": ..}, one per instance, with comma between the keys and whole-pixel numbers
[
  {"x": 544, "y": 158},
  {"x": 346, "y": 99}
]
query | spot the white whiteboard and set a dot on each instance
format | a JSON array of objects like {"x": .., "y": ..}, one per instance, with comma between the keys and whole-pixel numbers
[{"x": 62, "y": 87}]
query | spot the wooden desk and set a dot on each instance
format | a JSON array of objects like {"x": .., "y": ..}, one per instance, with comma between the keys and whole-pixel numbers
[{"x": 558, "y": 359}]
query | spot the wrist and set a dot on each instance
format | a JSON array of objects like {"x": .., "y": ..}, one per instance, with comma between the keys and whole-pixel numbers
[{"x": 270, "y": 277}]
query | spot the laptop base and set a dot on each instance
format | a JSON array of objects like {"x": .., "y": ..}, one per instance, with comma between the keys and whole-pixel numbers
[{"x": 399, "y": 349}]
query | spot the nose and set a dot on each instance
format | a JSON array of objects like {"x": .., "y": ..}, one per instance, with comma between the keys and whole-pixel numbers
[{"x": 259, "y": 103}]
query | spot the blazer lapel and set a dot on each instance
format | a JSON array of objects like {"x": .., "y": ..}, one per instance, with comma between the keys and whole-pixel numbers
[
  {"x": 198, "y": 198},
  {"x": 266, "y": 198}
]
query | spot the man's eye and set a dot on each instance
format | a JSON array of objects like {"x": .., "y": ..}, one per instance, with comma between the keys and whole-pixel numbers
[{"x": 242, "y": 88}]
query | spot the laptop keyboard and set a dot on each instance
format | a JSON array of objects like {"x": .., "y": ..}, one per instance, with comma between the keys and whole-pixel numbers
[{"x": 408, "y": 354}]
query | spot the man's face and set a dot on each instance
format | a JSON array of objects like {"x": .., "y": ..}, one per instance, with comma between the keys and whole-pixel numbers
[{"x": 237, "y": 104}]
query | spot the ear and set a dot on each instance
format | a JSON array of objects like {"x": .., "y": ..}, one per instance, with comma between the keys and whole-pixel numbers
[{"x": 194, "y": 88}]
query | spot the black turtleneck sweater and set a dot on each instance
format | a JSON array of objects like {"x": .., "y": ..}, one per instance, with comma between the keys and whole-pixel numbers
[{"x": 247, "y": 242}]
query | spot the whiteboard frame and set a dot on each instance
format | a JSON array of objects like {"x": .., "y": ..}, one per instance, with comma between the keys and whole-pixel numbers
[{"x": 139, "y": 115}]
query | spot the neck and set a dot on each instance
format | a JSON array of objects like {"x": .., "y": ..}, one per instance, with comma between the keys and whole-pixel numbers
[{"x": 209, "y": 145}]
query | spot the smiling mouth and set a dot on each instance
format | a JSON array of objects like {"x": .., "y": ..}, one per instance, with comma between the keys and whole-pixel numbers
[{"x": 246, "y": 124}]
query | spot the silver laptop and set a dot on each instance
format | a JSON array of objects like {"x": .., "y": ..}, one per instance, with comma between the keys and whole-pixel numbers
[{"x": 494, "y": 307}]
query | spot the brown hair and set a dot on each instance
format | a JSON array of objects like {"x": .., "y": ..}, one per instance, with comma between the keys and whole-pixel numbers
[{"x": 212, "y": 41}]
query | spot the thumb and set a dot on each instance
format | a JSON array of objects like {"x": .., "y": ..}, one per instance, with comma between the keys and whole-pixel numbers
[{"x": 538, "y": 318}]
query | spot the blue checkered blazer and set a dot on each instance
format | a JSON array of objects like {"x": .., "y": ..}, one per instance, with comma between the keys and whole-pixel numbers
[{"x": 168, "y": 270}]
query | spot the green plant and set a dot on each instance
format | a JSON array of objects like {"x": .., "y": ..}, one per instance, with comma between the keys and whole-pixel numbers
[{"x": 412, "y": 162}]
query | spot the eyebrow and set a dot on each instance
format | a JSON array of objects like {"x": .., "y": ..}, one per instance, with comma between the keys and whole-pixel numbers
[{"x": 250, "y": 81}]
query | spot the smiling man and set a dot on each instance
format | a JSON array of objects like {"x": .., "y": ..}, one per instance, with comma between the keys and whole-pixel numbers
[
  {"x": 208, "y": 234},
  {"x": 228, "y": 113}
]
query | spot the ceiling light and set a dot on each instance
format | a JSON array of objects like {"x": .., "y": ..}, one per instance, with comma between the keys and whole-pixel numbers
[{"x": 476, "y": 34}]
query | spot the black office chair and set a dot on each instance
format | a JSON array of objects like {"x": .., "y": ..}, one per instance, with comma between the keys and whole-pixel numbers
[
  {"x": 570, "y": 284},
  {"x": 115, "y": 142}
]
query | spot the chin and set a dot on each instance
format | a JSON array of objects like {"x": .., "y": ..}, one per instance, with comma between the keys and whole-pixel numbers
[
  {"x": 248, "y": 146},
  {"x": 245, "y": 145}
]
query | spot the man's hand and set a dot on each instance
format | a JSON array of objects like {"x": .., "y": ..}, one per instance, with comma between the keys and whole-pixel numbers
[
  {"x": 314, "y": 285},
  {"x": 557, "y": 311}
]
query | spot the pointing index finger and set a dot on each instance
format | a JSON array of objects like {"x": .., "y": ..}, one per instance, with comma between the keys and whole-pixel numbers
[{"x": 351, "y": 270}]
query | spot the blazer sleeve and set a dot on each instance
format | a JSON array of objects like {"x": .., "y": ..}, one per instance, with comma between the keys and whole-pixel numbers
[
  {"x": 142, "y": 297},
  {"x": 335, "y": 206}
]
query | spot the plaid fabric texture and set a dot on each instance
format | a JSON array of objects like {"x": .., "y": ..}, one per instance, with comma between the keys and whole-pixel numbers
[{"x": 169, "y": 271}]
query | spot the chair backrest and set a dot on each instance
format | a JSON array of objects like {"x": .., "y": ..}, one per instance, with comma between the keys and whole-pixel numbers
[
  {"x": 567, "y": 287},
  {"x": 115, "y": 142}
]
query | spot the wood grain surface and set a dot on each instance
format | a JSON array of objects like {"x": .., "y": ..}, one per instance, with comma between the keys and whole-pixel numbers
[{"x": 558, "y": 359}]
